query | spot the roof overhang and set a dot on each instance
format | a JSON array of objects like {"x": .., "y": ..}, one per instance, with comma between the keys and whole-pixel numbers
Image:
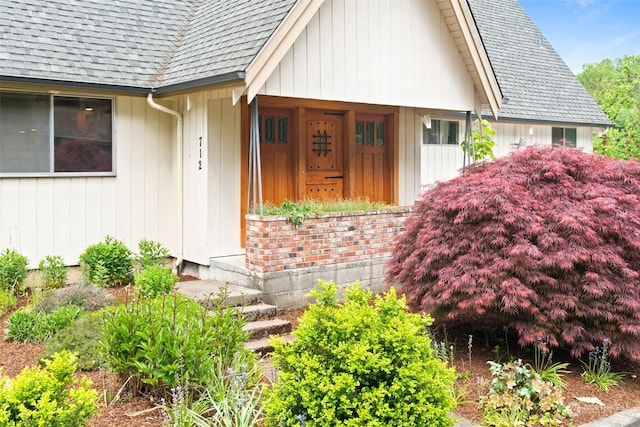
[{"x": 462, "y": 27}]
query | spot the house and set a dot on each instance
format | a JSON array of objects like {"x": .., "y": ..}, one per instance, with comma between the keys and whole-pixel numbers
[
  {"x": 137, "y": 119},
  {"x": 543, "y": 101}
]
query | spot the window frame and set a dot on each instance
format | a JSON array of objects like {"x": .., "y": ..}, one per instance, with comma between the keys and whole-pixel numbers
[
  {"x": 427, "y": 141},
  {"x": 51, "y": 105},
  {"x": 564, "y": 136}
]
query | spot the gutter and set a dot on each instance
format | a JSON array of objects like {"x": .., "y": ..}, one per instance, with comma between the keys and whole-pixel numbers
[{"x": 179, "y": 189}]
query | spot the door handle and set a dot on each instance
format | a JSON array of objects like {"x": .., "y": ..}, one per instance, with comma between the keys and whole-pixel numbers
[{"x": 334, "y": 177}]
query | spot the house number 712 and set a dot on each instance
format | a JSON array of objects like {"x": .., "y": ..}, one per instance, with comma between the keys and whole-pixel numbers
[{"x": 199, "y": 153}]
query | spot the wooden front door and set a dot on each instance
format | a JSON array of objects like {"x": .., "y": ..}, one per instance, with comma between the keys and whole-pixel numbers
[
  {"x": 372, "y": 159},
  {"x": 324, "y": 169},
  {"x": 277, "y": 153}
]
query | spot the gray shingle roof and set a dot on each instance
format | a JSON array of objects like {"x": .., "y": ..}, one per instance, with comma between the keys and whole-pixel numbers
[
  {"x": 134, "y": 43},
  {"x": 533, "y": 78}
]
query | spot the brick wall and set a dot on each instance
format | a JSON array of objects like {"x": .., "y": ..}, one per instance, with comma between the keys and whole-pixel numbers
[{"x": 273, "y": 244}]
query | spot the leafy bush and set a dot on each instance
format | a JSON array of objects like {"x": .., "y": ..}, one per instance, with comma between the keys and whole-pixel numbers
[
  {"x": 151, "y": 253},
  {"x": 298, "y": 211},
  {"x": 87, "y": 297},
  {"x": 481, "y": 147},
  {"x": 47, "y": 396},
  {"x": 359, "y": 363},
  {"x": 13, "y": 271},
  {"x": 519, "y": 397},
  {"x": 170, "y": 341},
  {"x": 155, "y": 280},
  {"x": 7, "y": 301},
  {"x": 35, "y": 326},
  {"x": 107, "y": 263},
  {"x": 546, "y": 240},
  {"x": 53, "y": 271},
  {"x": 81, "y": 336}
]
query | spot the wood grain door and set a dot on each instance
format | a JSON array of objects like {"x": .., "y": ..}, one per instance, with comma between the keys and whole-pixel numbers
[
  {"x": 324, "y": 169},
  {"x": 277, "y": 152},
  {"x": 373, "y": 178}
]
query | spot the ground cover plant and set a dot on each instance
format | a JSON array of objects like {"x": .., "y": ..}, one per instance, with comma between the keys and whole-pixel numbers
[
  {"x": 545, "y": 241},
  {"x": 367, "y": 361}
]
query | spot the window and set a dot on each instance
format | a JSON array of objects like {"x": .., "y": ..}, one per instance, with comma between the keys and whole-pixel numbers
[
  {"x": 49, "y": 134},
  {"x": 564, "y": 137},
  {"x": 441, "y": 132},
  {"x": 370, "y": 132}
]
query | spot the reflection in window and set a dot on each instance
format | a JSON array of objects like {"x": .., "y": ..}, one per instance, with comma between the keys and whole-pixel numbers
[
  {"x": 442, "y": 132},
  {"x": 80, "y": 138},
  {"x": 564, "y": 137}
]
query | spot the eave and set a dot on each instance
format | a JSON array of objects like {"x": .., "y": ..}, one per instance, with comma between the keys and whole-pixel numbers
[{"x": 462, "y": 27}]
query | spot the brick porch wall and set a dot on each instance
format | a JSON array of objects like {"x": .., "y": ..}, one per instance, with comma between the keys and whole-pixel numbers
[{"x": 273, "y": 244}]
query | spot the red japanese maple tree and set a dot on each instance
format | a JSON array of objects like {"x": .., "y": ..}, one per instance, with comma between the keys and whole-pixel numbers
[{"x": 547, "y": 239}]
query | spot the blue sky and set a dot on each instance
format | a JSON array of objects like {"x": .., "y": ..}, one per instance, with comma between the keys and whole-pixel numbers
[{"x": 588, "y": 31}]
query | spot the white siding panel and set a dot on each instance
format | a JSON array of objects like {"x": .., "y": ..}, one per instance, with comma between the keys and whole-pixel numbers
[
  {"x": 357, "y": 50},
  {"x": 64, "y": 215},
  {"x": 61, "y": 243},
  {"x": 409, "y": 156},
  {"x": 223, "y": 225},
  {"x": 195, "y": 180}
]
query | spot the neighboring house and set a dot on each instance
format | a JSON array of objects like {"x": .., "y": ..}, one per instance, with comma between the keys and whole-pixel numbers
[
  {"x": 133, "y": 118},
  {"x": 543, "y": 101}
]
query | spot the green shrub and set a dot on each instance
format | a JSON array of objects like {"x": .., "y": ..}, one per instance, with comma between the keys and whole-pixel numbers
[
  {"x": 13, "y": 271},
  {"x": 518, "y": 396},
  {"x": 53, "y": 272},
  {"x": 87, "y": 297},
  {"x": 7, "y": 301},
  {"x": 82, "y": 336},
  {"x": 360, "y": 363},
  {"x": 151, "y": 253},
  {"x": 35, "y": 326},
  {"x": 155, "y": 280},
  {"x": 107, "y": 263},
  {"x": 47, "y": 396},
  {"x": 170, "y": 341}
]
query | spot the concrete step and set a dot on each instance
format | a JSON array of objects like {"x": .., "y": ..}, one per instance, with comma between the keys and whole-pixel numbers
[
  {"x": 264, "y": 328},
  {"x": 203, "y": 290},
  {"x": 260, "y": 310},
  {"x": 262, "y": 346}
]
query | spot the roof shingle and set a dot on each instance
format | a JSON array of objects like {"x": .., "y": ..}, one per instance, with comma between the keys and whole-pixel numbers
[{"x": 534, "y": 80}]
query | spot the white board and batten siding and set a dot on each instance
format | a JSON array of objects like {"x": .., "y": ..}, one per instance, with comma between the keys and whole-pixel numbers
[
  {"x": 443, "y": 162},
  {"x": 211, "y": 168},
  {"x": 63, "y": 215},
  {"x": 359, "y": 51},
  {"x": 376, "y": 52}
]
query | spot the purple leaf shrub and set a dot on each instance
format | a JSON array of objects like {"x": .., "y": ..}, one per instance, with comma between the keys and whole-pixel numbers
[{"x": 547, "y": 239}]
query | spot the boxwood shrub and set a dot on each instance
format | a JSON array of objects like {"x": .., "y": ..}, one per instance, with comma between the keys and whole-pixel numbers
[{"x": 366, "y": 362}]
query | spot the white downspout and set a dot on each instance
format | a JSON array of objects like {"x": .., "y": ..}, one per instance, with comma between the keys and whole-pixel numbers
[{"x": 178, "y": 116}]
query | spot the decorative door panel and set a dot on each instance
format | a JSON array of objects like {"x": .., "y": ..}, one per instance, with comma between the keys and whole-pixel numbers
[{"x": 324, "y": 156}]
